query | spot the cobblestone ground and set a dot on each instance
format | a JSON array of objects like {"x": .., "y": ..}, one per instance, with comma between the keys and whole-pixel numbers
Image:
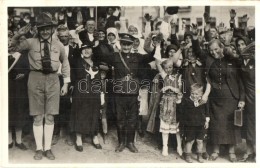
[{"x": 148, "y": 153}]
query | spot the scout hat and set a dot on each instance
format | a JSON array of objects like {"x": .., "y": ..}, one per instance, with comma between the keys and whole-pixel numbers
[{"x": 44, "y": 19}]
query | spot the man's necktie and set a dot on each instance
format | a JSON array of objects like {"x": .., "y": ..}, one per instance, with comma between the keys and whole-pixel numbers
[{"x": 46, "y": 59}]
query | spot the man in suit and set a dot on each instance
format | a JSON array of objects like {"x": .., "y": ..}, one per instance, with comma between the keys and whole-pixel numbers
[
  {"x": 62, "y": 120},
  {"x": 110, "y": 17},
  {"x": 89, "y": 36}
]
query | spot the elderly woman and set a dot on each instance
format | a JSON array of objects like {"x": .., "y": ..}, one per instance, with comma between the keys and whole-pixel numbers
[{"x": 225, "y": 97}]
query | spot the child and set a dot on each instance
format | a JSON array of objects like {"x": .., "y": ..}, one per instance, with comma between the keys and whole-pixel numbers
[
  {"x": 194, "y": 72},
  {"x": 171, "y": 93},
  {"x": 195, "y": 121}
]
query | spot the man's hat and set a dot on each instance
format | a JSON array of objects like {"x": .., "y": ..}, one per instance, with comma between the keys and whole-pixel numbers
[
  {"x": 171, "y": 10},
  {"x": 126, "y": 37},
  {"x": 44, "y": 19}
]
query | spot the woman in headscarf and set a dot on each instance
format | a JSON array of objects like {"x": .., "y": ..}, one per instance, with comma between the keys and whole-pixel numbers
[{"x": 113, "y": 39}]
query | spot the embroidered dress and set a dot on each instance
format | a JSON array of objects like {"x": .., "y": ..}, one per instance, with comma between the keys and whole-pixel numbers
[{"x": 168, "y": 117}]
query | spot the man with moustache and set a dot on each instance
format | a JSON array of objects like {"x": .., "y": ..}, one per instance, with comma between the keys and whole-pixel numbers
[{"x": 45, "y": 55}]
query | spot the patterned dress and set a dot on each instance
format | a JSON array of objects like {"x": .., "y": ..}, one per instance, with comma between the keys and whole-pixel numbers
[{"x": 168, "y": 117}]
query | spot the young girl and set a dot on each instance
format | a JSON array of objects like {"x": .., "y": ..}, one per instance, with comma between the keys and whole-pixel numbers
[
  {"x": 195, "y": 120},
  {"x": 171, "y": 95}
]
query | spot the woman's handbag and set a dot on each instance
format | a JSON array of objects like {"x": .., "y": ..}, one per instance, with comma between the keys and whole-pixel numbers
[{"x": 238, "y": 117}]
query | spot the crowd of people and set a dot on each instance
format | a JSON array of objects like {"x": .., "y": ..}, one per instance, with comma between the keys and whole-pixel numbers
[{"x": 67, "y": 71}]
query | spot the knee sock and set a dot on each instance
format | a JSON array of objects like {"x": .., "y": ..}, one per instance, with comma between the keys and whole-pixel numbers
[
  {"x": 38, "y": 134},
  {"x": 18, "y": 134},
  {"x": 231, "y": 149},
  {"x": 48, "y": 132},
  {"x": 10, "y": 140},
  {"x": 199, "y": 146},
  {"x": 104, "y": 125},
  {"x": 78, "y": 139},
  {"x": 188, "y": 146}
]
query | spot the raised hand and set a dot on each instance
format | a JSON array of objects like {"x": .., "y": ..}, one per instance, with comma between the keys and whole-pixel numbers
[
  {"x": 206, "y": 17},
  {"x": 79, "y": 29},
  {"x": 148, "y": 17},
  {"x": 245, "y": 18},
  {"x": 194, "y": 29},
  {"x": 232, "y": 13},
  {"x": 24, "y": 30}
]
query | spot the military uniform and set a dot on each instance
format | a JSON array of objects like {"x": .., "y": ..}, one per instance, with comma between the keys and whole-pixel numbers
[{"x": 126, "y": 89}]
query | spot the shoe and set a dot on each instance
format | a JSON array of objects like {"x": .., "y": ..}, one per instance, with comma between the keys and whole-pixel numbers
[
  {"x": 55, "y": 139},
  {"x": 49, "y": 155},
  {"x": 132, "y": 147},
  {"x": 79, "y": 148},
  {"x": 10, "y": 145},
  {"x": 205, "y": 155},
  {"x": 140, "y": 133},
  {"x": 165, "y": 151},
  {"x": 97, "y": 146},
  {"x": 232, "y": 157},
  {"x": 182, "y": 156},
  {"x": 213, "y": 156},
  {"x": 38, "y": 155},
  {"x": 120, "y": 147},
  {"x": 21, "y": 146},
  {"x": 200, "y": 158},
  {"x": 188, "y": 158}
]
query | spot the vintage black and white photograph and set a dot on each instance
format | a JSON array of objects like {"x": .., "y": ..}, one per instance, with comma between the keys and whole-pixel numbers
[{"x": 131, "y": 84}]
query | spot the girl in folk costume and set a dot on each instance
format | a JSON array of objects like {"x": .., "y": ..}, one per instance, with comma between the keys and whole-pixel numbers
[
  {"x": 113, "y": 39},
  {"x": 175, "y": 55},
  {"x": 171, "y": 95}
]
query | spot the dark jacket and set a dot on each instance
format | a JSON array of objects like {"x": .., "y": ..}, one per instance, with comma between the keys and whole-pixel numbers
[
  {"x": 233, "y": 80},
  {"x": 191, "y": 115}
]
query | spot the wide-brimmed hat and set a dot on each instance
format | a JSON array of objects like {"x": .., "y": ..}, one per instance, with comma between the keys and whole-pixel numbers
[
  {"x": 126, "y": 37},
  {"x": 44, "y": 19},
  {"x": 84, "y": 46}
]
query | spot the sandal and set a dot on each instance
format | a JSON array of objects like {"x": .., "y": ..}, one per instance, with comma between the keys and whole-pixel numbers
[
  {"x": 213, "y": 156},
  {"x": 232, "y": 157}
]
